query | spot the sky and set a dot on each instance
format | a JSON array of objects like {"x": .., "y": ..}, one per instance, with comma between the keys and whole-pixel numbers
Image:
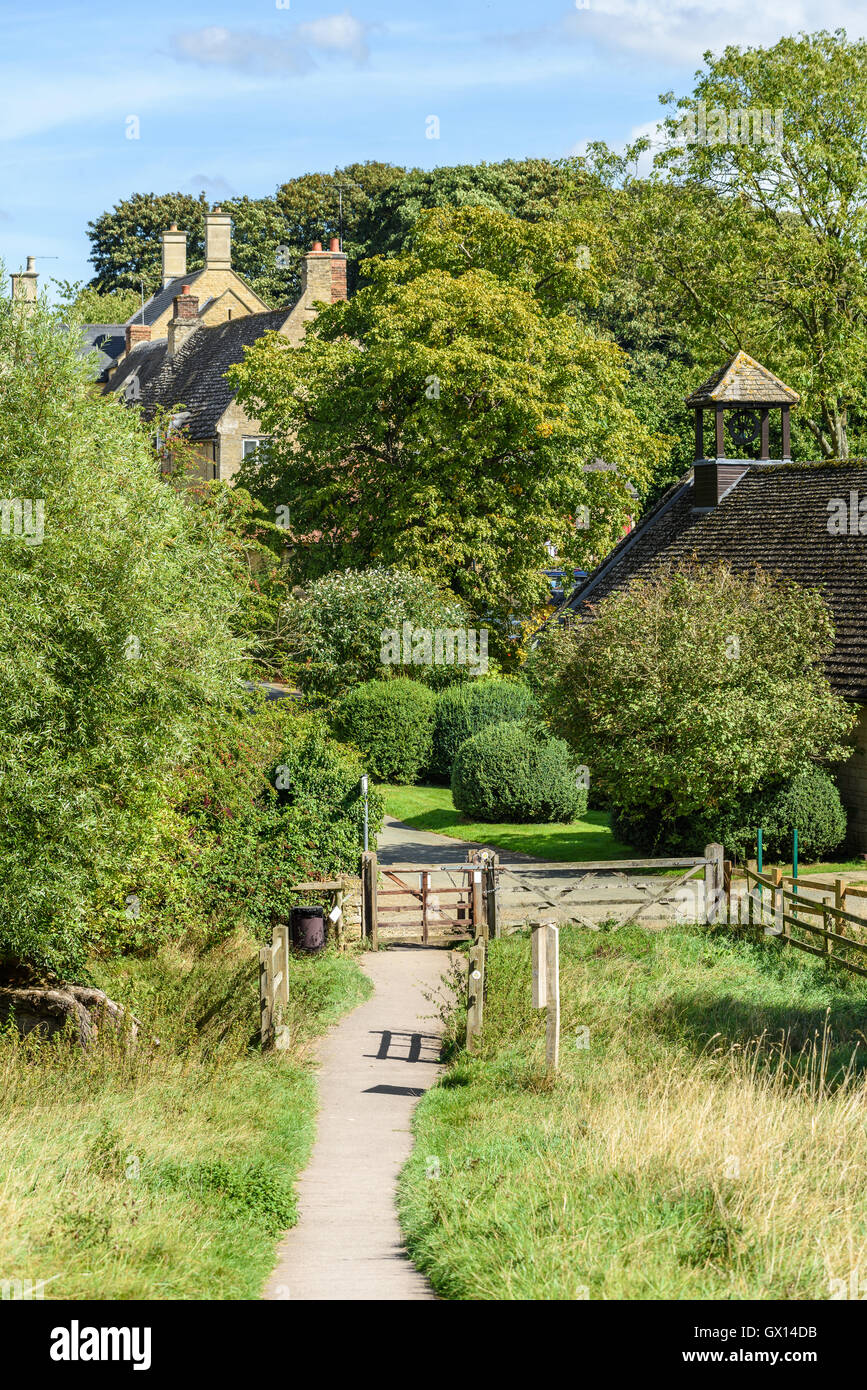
[{"x": 100, "y": 102}]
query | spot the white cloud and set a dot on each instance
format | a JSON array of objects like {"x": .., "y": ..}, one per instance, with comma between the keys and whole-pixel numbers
[
  {"x": 245, "y": 50},
  {"x": 337, "y": 33},
  {"x": 680, "y": 31},
  {"x": 248, "y": 50}
]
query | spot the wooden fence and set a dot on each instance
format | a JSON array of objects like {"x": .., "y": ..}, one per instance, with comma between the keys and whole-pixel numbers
[{"x": 775, "y": 910}]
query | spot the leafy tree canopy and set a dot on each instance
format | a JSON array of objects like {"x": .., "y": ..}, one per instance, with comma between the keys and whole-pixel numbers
[
  {"x": 445, "y": 418},
  {"x": 751, "y": 229},
  {"x": 692, "y": 688}
]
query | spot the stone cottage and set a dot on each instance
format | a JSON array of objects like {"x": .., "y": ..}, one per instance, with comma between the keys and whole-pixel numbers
[{"x": 176, "y": 354}]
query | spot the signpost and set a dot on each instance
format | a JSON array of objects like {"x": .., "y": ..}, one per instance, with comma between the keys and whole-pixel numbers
[{"x": 364, "y": 785}]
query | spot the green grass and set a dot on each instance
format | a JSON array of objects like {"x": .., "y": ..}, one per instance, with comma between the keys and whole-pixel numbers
[
  {"x": 432, "y": 808},
  {"x": 707, "y": 1144},
  {"x": 164, "y": 1172}
]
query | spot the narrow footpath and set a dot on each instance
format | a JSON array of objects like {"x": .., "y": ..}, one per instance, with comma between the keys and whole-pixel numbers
[{"x": 374, "y": 1065}]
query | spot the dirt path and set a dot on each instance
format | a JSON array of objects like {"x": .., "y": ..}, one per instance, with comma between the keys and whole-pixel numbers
[{"x": 375, "y": 1064}]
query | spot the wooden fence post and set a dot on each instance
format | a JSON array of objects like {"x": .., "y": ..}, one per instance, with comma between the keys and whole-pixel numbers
[
  {"x": 282, "y": 1036},
  {"x": 540, "y": 974},
  {"x": 552, "y": 1022},
  {"x": 475, "y": 993},
  {"x": 713, "y": 882},
  {"x": 369, "y": 903},
  {"x": 492, "y": 916},
  {"x": 266, "y": 996},
  {"x": 727, "y": 889},
  {"x": 480, "y": 926}
]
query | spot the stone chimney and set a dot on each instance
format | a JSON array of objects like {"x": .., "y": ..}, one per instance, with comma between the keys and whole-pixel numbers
[
  {"x": 137, "y": 333},
  {"x": 174, "y": 255},
  {"x": 24, "y": 286},
  {"x": 323, "y": 274},
  {"x": 185, "y": 321},
  {"x": 218, "y": 240}
]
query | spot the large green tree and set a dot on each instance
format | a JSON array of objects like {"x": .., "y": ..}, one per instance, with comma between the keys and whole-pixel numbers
[
  {"x": 752, "y": 227},
  {"x": 445, "y": 418},
  {"x": 690, "y": 689}
]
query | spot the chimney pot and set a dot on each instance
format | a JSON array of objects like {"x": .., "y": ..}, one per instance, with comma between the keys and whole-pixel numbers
[
  {"x": 174, "y": 252},
  {"x": 317, "y": 246},
  {"x": 218, "y": 240},
  {"x": 137, "y": 333},
  {"x": 335, "y": 244}
]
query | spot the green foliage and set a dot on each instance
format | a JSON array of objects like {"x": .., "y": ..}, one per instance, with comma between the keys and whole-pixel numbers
[
  {"x": 513, "y": 772},
  {"x": 91, "y": 306},
  {"x": 809, "y": 801},
  {"x": 692, "y": 688},
  {"x": 783, "y": 210},
  {"x": 391, "y": 722},
  {"x": 527, "y": 188},
  {"x": 334, "y": 629},
  {"x": 270, "y": 801},
  {"x": 462, "y": 710},
  {"x": 119, "y": 640},
  {"x": 461, "y": 393}
]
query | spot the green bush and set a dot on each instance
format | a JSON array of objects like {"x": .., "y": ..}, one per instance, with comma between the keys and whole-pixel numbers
[
  {"x": 809, "y": 800},
  {"x": 514, "y": 772},
  {"x": 464, "y": 710},
  {"x": 391, "y": 722},
  {"x": 334, "y": 631}
]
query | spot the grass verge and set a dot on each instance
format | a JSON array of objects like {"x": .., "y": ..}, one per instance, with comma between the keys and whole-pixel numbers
[
  {"x": 432, "y": 808},
  {"x": 164, "y": 1173},
  {"x": 708, "y": 1143}
]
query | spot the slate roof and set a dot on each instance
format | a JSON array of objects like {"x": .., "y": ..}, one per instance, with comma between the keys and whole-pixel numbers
[
  {"x": 106, "y": 341},
  {"x": 162, "y": 300},
  {"x": 776, "y": 518},
  {"x": 743, "y": 381},
  {"x": 195, "y": 376}
]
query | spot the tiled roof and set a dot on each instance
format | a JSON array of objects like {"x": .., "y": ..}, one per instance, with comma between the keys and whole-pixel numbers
[
  {"x": 106, "y": 341},
  {"x": 776, "y": 518},
  {"x": 743, "y": 381},
  {"x": 196, "y": 376},
  {"x": 162, "y": 300}
]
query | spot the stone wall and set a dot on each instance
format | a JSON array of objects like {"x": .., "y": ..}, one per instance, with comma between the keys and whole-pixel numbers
[{"x": 852, "y": 781}]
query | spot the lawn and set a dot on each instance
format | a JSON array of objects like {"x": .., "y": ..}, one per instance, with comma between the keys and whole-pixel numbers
[
  {"x": 432, "y": 808},
  {"x": 164, "y": 1172},
  {"x": 705, "y": 1138}
]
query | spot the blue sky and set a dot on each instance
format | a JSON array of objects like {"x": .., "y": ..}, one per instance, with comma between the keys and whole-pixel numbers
[{"x": 237, "y": 97}]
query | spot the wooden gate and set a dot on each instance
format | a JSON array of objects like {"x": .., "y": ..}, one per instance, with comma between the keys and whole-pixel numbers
[{"x": 426, "y": 902}]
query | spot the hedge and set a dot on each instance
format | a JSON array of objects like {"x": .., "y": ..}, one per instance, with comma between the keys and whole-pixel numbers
[
  {"x": 809, "y": 800},
  {"x": 464, "y": 710}
]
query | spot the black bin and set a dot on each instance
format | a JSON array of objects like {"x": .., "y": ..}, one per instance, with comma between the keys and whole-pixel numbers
[{"x": 308, "y": 928}]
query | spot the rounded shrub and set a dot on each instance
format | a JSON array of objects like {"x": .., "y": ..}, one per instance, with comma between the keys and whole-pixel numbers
[
  {"x": 391, "y": 723},
  {"x": 514, "y": 772},
  {"x": 464, "y": 710}
]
